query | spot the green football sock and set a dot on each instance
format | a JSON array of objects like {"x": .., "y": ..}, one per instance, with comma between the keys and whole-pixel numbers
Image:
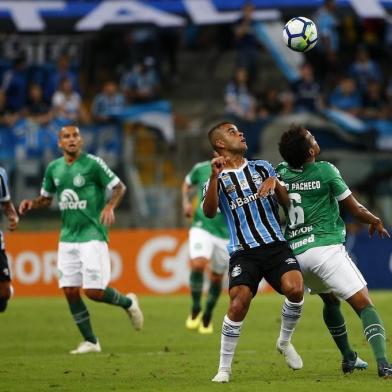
[
  {"x": 82, "y": 320},
  {"x": 213, "y": 295},
  {"x": 113, "y": 297},
  {"x": 374, "y": 332},
  {"x": 196, "y": 283},
  {"x": 336, "y": 325}
]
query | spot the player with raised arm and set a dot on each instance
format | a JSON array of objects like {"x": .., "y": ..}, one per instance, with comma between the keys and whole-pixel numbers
[
  {"x": 80, "y": 181},
  {"x": 13, "y": 219},
  {"x": 316, "y": 233},
  {"x": 242, "y": 190},
  {"x": 208, "y": 239}
]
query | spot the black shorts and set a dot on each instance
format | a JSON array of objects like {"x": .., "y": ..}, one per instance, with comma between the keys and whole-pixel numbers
[
  {"x": 270, "y": 261},
  {"x": 5, "y": 274}
]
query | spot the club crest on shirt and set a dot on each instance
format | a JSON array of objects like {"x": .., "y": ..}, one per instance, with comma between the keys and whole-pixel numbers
[
  {"x": 257, "y": 179},
  {"x": 237, "y": 270},
  {"x": 230, "y": 188},
  {"x": 244, "y": 184},
  {"x": 79, "y": 180},
  {"x": 56, "y": 181}
]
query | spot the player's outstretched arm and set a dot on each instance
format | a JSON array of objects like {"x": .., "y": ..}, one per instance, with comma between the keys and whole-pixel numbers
[
  {"x": 11, "y": 214},
  {"x": 107, "y": 214},
  {"x": 39, "y": 202},
  {"x": 358, "y": 211}
]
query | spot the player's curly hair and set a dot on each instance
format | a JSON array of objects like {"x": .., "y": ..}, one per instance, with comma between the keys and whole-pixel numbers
[{"x": 294, "y": 147}]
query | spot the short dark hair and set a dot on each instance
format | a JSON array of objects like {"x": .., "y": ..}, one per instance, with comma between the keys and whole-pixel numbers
[
  {"x": 213, "y": 130},
  {"x": 294, "y": 147}
]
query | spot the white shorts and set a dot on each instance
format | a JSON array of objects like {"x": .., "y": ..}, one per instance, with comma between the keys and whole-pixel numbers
[
  {"x": 84, "y": 264},
  {"x": 330, "y": 269},
  {"x": 204, "y": 244}
]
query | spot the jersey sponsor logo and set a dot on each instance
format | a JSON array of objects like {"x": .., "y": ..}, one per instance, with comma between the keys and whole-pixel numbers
[
  {"x": 302, "y": 230},
  {"x": 237, "y": 270},
  {"x": 303, "y": 242},
  {"x": 230, "y": 188},
  {"x": 69, "y": 200},
  {"x": 305, "y": 186},
  {"x": 241, "y": 201},
  {"x": 79, "y": 181}
]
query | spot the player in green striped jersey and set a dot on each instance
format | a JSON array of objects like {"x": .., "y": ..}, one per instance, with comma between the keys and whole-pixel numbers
[
  {"x": 208, "y": 239},
  {"x": 79, "y": 181},
  {"x": 316, "y": 233}
]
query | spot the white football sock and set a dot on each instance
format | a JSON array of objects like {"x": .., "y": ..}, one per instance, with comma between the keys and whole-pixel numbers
[{"x": 291, "y": 312}]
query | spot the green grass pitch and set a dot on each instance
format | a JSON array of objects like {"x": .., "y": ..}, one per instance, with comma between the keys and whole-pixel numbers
[{"x": 37, "y": 333}]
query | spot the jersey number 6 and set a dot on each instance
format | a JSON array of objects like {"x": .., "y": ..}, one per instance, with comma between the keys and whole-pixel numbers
[{"x": 296, "y": 212}]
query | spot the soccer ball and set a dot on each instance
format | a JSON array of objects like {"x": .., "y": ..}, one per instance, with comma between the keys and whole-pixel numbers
[{"x": 300, "y": 34}]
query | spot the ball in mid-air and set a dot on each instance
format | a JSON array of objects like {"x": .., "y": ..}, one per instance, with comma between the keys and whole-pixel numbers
[{"x": 300, "y": 34}]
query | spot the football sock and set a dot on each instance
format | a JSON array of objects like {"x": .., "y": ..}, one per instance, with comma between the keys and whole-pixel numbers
[
  {"x": 82, "y": 320},
  {"x": 196, "y": 284},
  {"x": 230, "y": 333},
  {"x": 113, "y": 297},
  {"x": 3, "y": 304},
  {"x": 213, "y": 295},
  {"x": 334, "y": 320},
  {"x": 374, "y": 332},
  {"x": 291, "y": 312}
]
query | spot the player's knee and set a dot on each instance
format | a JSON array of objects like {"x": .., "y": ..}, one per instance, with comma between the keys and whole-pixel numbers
[
  {"x": 293, "y": 290},
  {"x": 3, "y": 305},
  {"x": 198, "y": 264},
  {"x": 5, "y": 293},
  {"x": 238, "y": 309},
  {"x": 94, "y": 294},
  {"x": 216, "y": 278}
]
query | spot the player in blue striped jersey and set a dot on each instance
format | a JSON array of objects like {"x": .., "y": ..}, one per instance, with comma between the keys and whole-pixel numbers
[
  {"x": 247, "y": 193},
  {"x": 13, "y": 219}
]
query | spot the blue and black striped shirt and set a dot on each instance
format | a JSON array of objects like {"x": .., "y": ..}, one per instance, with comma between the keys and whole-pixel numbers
[
  {"x": 252, "y": 221},
  {"x": 4, "y": 196}
]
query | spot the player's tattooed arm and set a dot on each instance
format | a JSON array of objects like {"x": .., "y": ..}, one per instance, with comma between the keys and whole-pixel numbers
[
  {"x": 361, "y": 213},
  {"x": 107, "y": 214},
  {"x": 34, "y": 204},
  {"x": 11, "y": 214}
]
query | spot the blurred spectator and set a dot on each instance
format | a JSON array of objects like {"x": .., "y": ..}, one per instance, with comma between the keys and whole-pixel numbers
[
  {"x": 63, "y": 71},
  {"x": 374, "y": 103},
  {"x": 247, "y": 45},
  {"x": 142, "y": 84},
  {"x": 269, "y": 103},
  {"x": 346, "y": 96},
  {"x": 14, "y": 84},
  {"x": 7, "y": 117},
  {"x": 287, "y": 99},
  {"x": 66, "y": 102},
  {"x": 364, "y": 69},
  {"x": 327, "y": 25},
  {"x": 241, "y": 108},
  {"x": 109, "y": 104},
  {"x": 239, "y": 101},
  {"x": 37, "y": 110},
  {"x": 325, "y": 55},
  {"x": 307, "y": 91}
]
